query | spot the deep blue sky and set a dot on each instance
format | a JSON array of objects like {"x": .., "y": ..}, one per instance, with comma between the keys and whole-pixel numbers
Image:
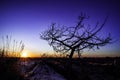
[{"x": 25, "y": 19}]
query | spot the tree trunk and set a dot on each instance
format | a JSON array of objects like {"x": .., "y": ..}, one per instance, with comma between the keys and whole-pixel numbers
[
  {"x": 71, "y": 54},
  {"x": 69, "y": 65}
]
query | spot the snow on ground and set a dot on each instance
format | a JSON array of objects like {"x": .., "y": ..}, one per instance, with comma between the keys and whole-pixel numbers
[{"x": 40, "y": 71}]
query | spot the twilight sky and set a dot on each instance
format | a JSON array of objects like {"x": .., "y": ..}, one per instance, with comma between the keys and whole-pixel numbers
[{"x": 25, "y": 19}]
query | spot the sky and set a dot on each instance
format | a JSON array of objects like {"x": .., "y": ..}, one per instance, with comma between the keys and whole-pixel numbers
[{"x": 26, "y": 19}]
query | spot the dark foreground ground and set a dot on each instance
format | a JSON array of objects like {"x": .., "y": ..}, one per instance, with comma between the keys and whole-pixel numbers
[{"x": 60, "y": 69}]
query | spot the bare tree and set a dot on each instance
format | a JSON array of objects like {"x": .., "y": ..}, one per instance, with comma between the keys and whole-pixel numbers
[{"x": 75, "y": 39}]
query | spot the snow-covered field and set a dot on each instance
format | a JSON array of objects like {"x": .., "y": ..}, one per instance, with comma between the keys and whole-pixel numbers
[
  {"x": 56, "y": 69},
  {"x": 37, "y": 70}
]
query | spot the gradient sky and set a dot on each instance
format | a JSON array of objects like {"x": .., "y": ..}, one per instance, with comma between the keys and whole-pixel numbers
[{"x": 25, "y": 19}]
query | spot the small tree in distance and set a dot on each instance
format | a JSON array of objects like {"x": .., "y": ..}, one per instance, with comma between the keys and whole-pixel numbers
[{"x": 75, "y": 39}]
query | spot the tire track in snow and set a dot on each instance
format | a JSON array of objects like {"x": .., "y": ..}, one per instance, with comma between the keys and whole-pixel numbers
[{"x": 43, "y": 72}]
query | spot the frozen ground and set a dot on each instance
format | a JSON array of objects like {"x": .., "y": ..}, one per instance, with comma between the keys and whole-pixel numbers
[
  {"x": 57, "y": 69},
  {"x": 33, "y": 70}
]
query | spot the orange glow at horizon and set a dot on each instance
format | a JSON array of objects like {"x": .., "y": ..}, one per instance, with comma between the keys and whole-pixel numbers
[
  {"x": 24, "y": 54},
  {"x": 27, "y": 53}
]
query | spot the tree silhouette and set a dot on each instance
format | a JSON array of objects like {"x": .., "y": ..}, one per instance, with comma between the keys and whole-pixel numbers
[{"x": 75, "y": 39}]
